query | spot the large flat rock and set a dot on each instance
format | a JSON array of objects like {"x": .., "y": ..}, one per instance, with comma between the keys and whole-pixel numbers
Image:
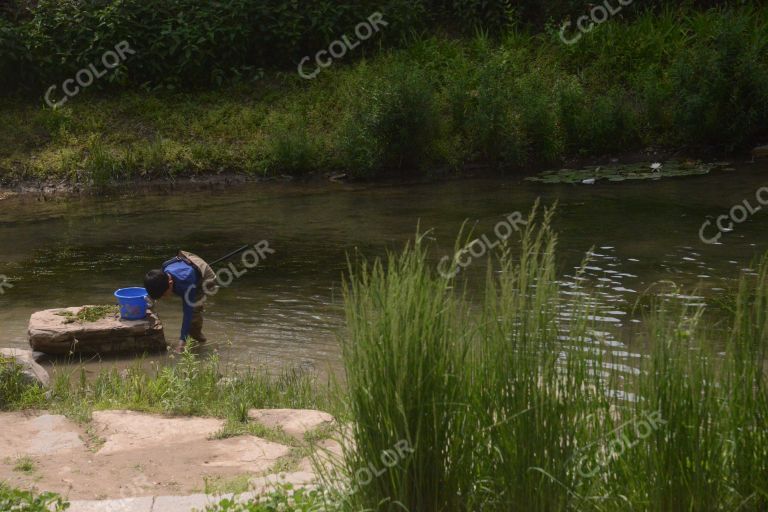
[
  {"x": 187, "y": 440},
  {"x": 129, "y": 430},
  {"x": 51, "y": 332},
  {"x": 124, "y": 454}
]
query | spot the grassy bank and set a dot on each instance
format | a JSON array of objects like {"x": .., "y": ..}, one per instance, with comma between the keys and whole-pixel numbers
[
  {"x": 676, "y": 79},
  {"x": 190, "y": 386},
  {"x": 514, "y": 405}
]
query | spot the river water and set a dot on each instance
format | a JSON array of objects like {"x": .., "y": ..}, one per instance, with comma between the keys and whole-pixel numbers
[{"x": 287, "y": 311}]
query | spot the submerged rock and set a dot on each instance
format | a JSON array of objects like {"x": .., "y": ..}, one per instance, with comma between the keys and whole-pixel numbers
[
  {"x": 32, "y": 372},
  {"x": 53, "y": 331},
  {"x": 760, "y": 152}
]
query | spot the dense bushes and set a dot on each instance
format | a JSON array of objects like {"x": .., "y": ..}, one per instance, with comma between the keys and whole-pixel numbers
[
  {"x": 182, "y": 43},
  {"x": 699, "y": 79}
]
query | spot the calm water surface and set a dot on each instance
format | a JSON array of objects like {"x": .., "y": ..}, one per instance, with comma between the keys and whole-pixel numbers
[{"x": 287, "y": 311}]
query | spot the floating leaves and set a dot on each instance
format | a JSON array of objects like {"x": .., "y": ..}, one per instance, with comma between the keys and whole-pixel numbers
[{"x": 625, "y": 172}]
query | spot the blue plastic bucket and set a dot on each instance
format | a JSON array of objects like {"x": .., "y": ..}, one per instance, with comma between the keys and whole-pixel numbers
[{"x": 133, "y": 303}]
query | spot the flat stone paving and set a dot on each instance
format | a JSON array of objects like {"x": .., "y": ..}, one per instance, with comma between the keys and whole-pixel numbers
[
  {"x": 161, "y": 503},
  {"x": 122, "y": 459}
]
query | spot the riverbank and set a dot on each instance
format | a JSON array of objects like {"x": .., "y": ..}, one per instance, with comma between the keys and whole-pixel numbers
[{"x": 436, "y": 107}]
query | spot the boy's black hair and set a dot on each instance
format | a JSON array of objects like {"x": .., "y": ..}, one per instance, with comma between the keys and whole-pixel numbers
[{"x": 156, "y": 283}]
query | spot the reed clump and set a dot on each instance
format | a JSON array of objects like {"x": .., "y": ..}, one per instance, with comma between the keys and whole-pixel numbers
[{"x": 513, "y": 404}]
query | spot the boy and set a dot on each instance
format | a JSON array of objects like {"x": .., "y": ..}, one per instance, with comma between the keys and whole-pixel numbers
[{"x": 190, "y": 277}]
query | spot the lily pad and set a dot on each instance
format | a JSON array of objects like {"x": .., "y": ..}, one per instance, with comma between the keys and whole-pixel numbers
[{"x": 624, "y": 172}]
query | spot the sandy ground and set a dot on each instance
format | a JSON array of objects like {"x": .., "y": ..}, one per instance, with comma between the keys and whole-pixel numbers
[{"x": 125, "y": 454}]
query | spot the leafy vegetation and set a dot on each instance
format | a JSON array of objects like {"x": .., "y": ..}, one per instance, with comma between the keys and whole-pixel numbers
[
  {"x": 513, "y": 404},
  {"x": 507, "y": 102},
  {"x": 89, "y": 314},
  {"x": 283, "y": 499},
  {"x": 182, "y": 43},
  {"x": 27, "y": 501}
]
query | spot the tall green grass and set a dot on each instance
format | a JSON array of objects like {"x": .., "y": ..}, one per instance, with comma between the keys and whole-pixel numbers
[
  {"x": 16, "y": 390},
  {"x": 510, "y": 404},
  {"x": 190, "y": 386}
]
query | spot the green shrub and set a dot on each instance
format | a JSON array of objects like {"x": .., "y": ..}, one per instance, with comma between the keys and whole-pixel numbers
[
  {"x": 391, "y": 121},
  {"x": 482, "y": 111},
  {"x": 184, "y": 42},
  {"x": 730, "y": 106},
  {"x": 26, "y": 501},
  {"x": 16, "y": 391},
  {"x": 289, "y": 147}
]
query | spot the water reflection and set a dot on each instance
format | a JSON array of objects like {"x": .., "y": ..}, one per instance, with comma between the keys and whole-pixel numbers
[{"x": 288, "y": 311}]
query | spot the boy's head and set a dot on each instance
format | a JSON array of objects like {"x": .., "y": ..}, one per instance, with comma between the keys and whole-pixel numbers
[{"x": 157, "y": 283}]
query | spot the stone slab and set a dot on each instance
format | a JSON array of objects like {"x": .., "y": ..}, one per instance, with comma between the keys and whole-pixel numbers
[
  {"x": 43, "y": 435},
  {"x": 159, "y": 503},
  {"x": 129, "y": 430},
  {"x": 143, "y": 504},
  {"x": 294, "y": 422},
  {"x": 185, "y": 503},
  {"x": 52, "y": 333}
]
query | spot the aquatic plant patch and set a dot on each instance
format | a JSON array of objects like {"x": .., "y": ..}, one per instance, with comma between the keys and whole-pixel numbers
[
  {"x": 88, "y": 314},
  {"x": 628, "y": 172}
]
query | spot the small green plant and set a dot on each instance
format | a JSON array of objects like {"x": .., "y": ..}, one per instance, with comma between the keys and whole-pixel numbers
[
  {"x": 24, "y": 464},
  {"x": 284, "y": 499}
]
